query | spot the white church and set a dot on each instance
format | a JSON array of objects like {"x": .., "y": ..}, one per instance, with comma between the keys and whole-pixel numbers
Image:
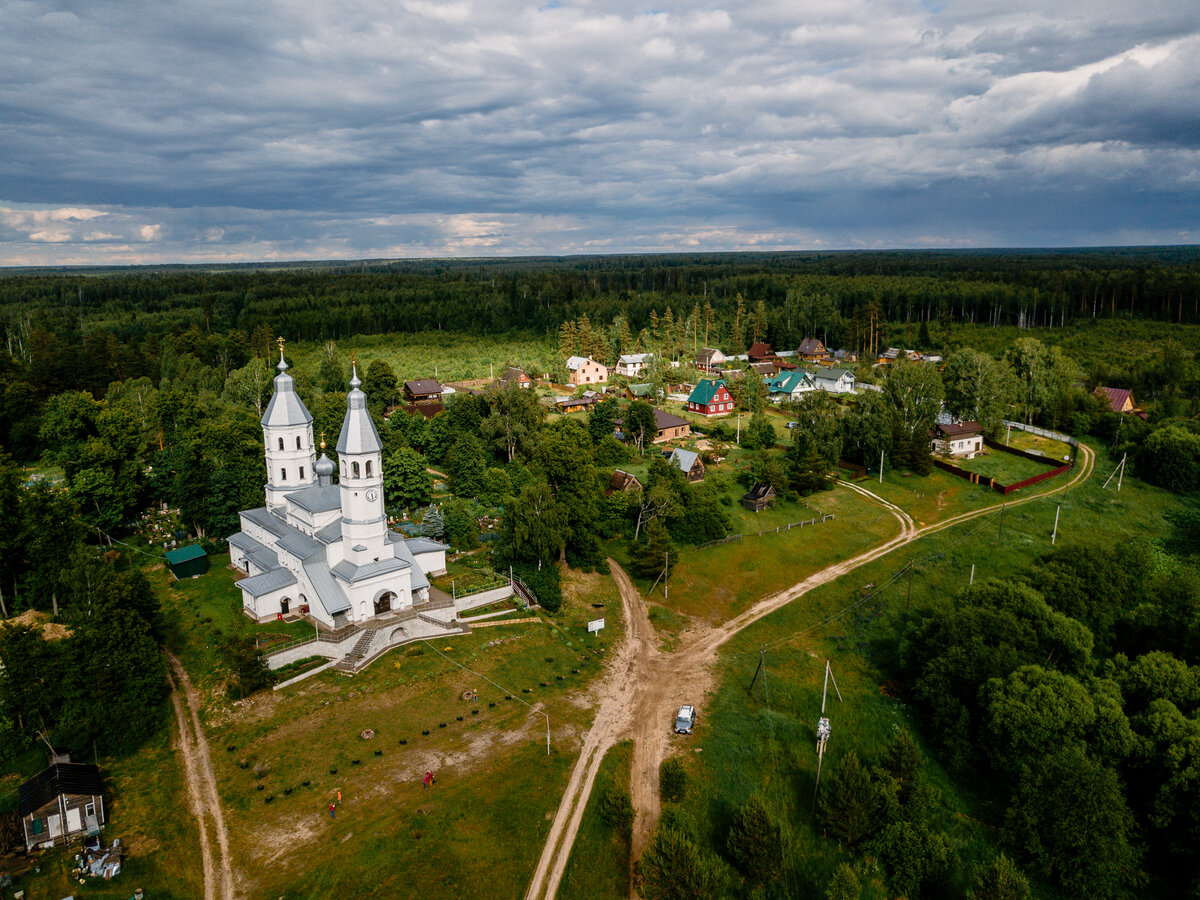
[{"x": 320, "y": 548}]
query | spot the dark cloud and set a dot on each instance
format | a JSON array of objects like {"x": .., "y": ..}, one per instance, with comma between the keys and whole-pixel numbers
[{"x": 279, "y": 129}]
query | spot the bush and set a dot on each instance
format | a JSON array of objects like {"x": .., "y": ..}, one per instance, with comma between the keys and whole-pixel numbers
[
  {"x": 544, "y": 583},
  {"x": 616, "y": 809},
  {"x": 755, "y": 842},
  {"x": 672, "y": 779}
]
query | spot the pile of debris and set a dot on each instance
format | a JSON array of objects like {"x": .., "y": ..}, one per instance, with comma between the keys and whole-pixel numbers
[{"x": 96, "y": 862}]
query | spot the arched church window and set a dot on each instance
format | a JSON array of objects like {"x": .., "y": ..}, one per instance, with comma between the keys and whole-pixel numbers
[
  {"x": 298, "y": 446},
  {"x": 354, "y": 469},
  {"x": 281, "y": 443},
  {"x": 302, "y": 473},
  {"x": 368, "y": 468},
  {"x": 283, "y": 474}
]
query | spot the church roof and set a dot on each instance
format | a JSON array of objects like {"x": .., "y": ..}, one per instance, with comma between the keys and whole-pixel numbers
[
  {"x": 350, "y": 573},
  {"x": 317, "y": 497},
  {"x": 358, "y": 431},
  {"x": 331, "y": 533},
  {"x": 417, "y": 579},
  {"x": 425, "y": 545},
  {"x": 266, "y": 582},
  {"x": 329, "y": 594},
  {"x": 261, "y": 556},
  {"x": 300, "y": 545},
  {"x": 286, "y": 408}
]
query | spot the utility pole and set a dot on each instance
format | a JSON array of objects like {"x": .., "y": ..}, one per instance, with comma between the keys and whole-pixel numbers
[
  {"x": 972, "y": 581},
  {"x": 881, "y": 467},
  {"x": 762, "y": 658},
  {"x": 1054, "y": 536},
  {"x": 824, "y": 728},
  {"x": 1000, "y": 536},
  {"x": 739, "y": 430},
  {"x": 908, "y": 603},
  {"x": 666, "y": 573},
  {"x": 1008, "y": 436}
]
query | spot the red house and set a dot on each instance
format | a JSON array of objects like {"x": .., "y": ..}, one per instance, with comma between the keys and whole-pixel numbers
[{"x": 710, "y": 398}]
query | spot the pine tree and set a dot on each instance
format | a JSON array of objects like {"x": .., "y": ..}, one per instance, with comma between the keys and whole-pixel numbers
[
  {"x": 433, "y": 525},
  {"x": 568, "y": 338},
  {"x": 755, "y": 842},
  {"x": 668, "y": 330}
]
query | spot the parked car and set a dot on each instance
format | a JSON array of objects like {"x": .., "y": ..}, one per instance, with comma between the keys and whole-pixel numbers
[
  {"x": 791, "y": 424},
  {"x": 685, "y": 719}
]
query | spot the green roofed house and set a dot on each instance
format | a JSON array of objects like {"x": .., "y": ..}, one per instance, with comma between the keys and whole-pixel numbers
[
  {"x": 187, "y": 561},
  {"x": 710, "y": 398}
]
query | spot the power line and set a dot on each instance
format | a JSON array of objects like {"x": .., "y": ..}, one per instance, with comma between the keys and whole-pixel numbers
[{"x": 130, "y": 546}]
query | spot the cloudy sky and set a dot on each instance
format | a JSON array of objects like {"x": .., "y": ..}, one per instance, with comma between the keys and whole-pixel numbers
[{"x": 209, "y": 130}]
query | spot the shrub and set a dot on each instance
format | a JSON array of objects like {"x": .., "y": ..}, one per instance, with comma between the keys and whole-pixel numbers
[
  {"x": 616, "y": 809},
  {"x": 672, "y": 779}
]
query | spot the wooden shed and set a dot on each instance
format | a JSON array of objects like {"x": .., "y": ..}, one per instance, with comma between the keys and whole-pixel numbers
[
  {"x": 63, "y": 802},
  {"x": 187, "y": 561},
  {"x": 759, "y": 497}
]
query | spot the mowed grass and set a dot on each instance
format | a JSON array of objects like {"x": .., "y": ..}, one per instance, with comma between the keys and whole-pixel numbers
[
  {"x": 930, "y": 498},
  {"x": 598, "y": 868},
  {"x": 718, "y": 582},
  {"x": 478, "y": 831},
  {"x": 1006, "y": 468},
  {"x": 766, "y": 744}
]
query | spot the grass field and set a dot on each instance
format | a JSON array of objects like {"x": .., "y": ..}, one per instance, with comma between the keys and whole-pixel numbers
[
  {"x": 447, "y": 357},
  {"x": 598, "y": 868},
  {"x": 767, "y": 745},
  {"x": 478, "y": 832},
  {"x": 1006, "y": 468}
]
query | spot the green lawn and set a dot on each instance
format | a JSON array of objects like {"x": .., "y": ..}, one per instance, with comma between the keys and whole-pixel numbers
[
  {"x": 598, "y": 868},
  {"x": 766, "y": 745},
  {"x": 930, "y": 498},
  {"x": 1006, "y": 468}
]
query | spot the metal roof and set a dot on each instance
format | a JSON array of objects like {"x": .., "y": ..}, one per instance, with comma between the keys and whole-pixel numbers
[
  {"x": 266, "y": 582},
  {"x": 318, "y": 497},
  {"x": 358, "y": 431},
  {"x": 329, "y": 593},
  {"x": 705, "y": 390},
  {"x": 286, "y": 409},
  {"x": 684, "y": 459},
  {"x": 183, "y": 554},
  {"x": 261, "y": 556},
  {"x": 423, "y": 386},
  {"x": 350, "y": 573},
  {"x": 78, "y": 779},
  {"x": 424, "y": 545}
]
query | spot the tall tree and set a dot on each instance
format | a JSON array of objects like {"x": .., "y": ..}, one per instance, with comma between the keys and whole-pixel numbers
[{"x": 978, "y": 388}]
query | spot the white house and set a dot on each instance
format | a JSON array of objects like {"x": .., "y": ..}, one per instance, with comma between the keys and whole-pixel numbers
[
  {"x": 631, "y": 365},
  {"x": 790, "y": 385},
  {"x": 325, "y": 548},
  {"x": 585, "y": 370},
  {"x": 959, "y": 439},
  {"x": 835, "y": 381}
]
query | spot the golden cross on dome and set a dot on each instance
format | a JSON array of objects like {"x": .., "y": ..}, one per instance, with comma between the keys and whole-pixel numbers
[
  {"x": 280, "y": 342},
  {"x": 322, "y": 440}
]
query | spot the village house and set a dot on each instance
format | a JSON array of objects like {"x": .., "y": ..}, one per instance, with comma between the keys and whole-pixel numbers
[
  {"x": 585, "y": 370},
  {"x": 631, "y": 365},
  {"x": 640, "y": 392},
  {"x": 710, "y": 398},
  {"x": 620, "y": 482},
  {"x": 760, "y": 351},
  {"x": 667, "y": 427},
  {"x": 767, "y": 368},
  {"x": 834, "y": 381},
  {"x": 513, "y": 375},
  {"x": 845, "y": 356},
  {"x": 759, "y": 497},
  {"x": 62, "y": 803},
  {"x": 958, "y": 439},
  {"x": 688, "y": 462},
  {"x": 1117, "y": 399},
  {"x": 568, "y": 405},
  {"x": 710, "y": 359},
  {"x": 811, "y": 349},
  {"x": 790, "y": 386},
  {"x": 422, "y": 389}
]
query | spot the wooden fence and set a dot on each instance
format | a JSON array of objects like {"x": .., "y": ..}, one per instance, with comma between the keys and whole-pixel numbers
[
  {"x": 1006, "y": 489},
  {"x": 815, "y": 520}
]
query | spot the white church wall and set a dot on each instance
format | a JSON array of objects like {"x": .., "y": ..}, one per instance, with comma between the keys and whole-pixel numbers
[{"x": 432, "y": 563}]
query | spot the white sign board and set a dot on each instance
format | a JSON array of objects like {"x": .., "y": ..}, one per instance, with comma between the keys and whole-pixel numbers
[{"x": 595, "y": 625}]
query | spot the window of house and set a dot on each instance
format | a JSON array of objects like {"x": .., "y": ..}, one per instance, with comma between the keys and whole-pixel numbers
[
  {"x": 368, "y": 468},
  {"x": 281, "y": 443},
  {"x": 354, "y": 469},
  {"x": 89, "y": 810},
  {"x": 283, "y": 474}
]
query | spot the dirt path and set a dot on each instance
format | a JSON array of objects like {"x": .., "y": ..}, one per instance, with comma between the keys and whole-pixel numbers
[
  {"x": 202, "y": 785},
  {"x": 645, "y": 687}
]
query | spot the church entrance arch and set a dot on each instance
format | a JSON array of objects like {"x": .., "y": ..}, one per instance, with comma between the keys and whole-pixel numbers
[
  {"x": 383, "y": 603},
  {"x": 284, "y": 605}
]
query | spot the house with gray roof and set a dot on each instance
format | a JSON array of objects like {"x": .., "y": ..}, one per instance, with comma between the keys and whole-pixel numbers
[
  {"x": 323, "y": 549},
  {"x": 834, "y": 381},
  {"x": 688, "y": 462}
]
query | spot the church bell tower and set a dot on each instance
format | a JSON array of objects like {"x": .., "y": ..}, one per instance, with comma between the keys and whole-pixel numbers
[
  {"x": 360, "y": 478},
  {"x": 288, "y": 437}
]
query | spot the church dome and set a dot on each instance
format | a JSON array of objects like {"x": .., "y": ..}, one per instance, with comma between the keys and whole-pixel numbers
[{"x": 324, "y": 466}]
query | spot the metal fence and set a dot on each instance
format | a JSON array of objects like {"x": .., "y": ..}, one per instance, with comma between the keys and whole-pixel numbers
[{"x": 1042, "y": 432}]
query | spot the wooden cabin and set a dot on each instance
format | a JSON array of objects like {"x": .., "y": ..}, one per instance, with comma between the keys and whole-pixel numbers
[
  {"x": 62, "y": 803},
  {"x": 759, "y": 497}
]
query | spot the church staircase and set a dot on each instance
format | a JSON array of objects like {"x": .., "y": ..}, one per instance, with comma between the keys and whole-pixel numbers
[
  {"x": 449, "y": 626},
  {"x": 350, "y": 663}
]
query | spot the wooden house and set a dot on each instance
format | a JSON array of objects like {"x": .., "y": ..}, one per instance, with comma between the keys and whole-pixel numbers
[
  {"x": 585, "y": 370},
  {"x": 767, "y": 368},
  {"x": 422, "y": 389},
  {"x": 812, "y": 349},
  {"x": 640, "y": 392},
  {"x": 667, "y": 426},
  {"x": 568, "y": 405},
  {"x": 620, "y": 482},
  {"x": 1118, "y": 399},
  {"x": 513, "y": 375},
  {"x": 760, "y": 351},
  {"x": 710, "y": 398},
  {"x": 688, "y": 462},
  {"x": 63, "y": 803},
  {"x": 759, "y": 497},
  {"x": 710, "y": 359}
]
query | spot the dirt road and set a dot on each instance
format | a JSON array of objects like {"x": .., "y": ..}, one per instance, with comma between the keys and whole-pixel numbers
[
  {"x": 202, "y": 785},
  {"x": 645, "y": 687}
]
